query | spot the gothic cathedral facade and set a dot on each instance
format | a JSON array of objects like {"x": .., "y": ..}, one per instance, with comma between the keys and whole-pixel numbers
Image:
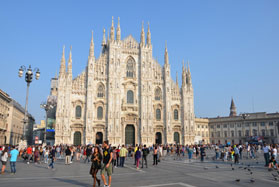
[{"x": 124, "y": 96}]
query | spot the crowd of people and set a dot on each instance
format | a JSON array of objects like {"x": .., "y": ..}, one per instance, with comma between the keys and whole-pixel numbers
[{"x": 105, "y": 157}]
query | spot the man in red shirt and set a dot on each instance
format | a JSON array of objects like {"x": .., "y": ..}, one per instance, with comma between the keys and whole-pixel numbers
[{"x": 29, "y": 154}]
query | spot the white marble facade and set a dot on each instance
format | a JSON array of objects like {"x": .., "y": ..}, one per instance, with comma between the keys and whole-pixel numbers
[{"x": 124, "y": 96}]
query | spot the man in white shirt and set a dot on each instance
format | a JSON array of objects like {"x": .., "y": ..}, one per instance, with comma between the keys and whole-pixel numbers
[{"x": 266, "y": 154}]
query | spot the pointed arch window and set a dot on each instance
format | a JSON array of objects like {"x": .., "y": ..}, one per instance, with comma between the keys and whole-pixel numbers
[
  {"x": 158, "y": 114},
  {"x": 175, "y": 114},
  {"x": 78, "y": 112},
  {"x": 158, "y": 94},
  {"x": 130, "y": 68},
  {"x": 100, "y": 112},
  {"x": 101, "y": 91},
  {"x": 130, "y": 97}
]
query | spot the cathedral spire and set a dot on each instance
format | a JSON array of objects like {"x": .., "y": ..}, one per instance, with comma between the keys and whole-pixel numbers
[
  {"x": 166, "y": 55},
  {"x": 189, "y": 78},
  {"x": 148, "y": 38},
  {"x": 70, "y": 63},
  {"x": 91, "y": 50},
  {"x": 104, "y": 37},
  {"x": 112, "y": 30},
  {"x": 176, "y": 78},
  {"x": 118, "y": 32},
  {"x": 232, "y": 109},
  {"x": 183, "y": 75},
  {"x": 62, "y": 70},
  {"x": 108, "y": 38},
  {"x": 142, "y": 35}
]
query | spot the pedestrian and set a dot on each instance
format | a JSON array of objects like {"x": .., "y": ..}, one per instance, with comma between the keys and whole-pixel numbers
[
  {"x": 123, "y": 154},
  {"x": 145, "y": 152},
  {"x": 78, "y": 151},
  {"x": 4, "y": 159},
  {"x": 46, "y": 153},
  {"x": 155, "y": 158},
  {"x": 203, "y": 154},
  {"x": 29, "y": 154},
  {"x": 68, "y": 156},
  {"x": 136, "y": 148},
  {"x": 273, "y": 163},
  {"x": 13, "y": 154},
  {"x": 138, "y": 156},
  {"x": 236, "y": 154},
  {"x": 88, "y": 154},
  {"x": 36, "y": 155},
  {"x": 274, "y": 152},
  {"x": 266, "y": 154},
  {"x": 52, "y": 158},
  {"x": 96, "y": 160},
  {"x": 107, "y": 168},
  {"x": 117, "y": 156},
  {"x": 190, "y": 153}
]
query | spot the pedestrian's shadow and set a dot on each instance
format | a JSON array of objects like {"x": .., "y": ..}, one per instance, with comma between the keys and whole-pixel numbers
[{"x": 70, "y": 181}]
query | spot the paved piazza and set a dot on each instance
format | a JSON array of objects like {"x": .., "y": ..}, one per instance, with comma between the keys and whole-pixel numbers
[{"x": 169, "y": 173}]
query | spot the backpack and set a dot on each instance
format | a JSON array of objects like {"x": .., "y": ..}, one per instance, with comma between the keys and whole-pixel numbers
[{"x": 145, "y": 152}]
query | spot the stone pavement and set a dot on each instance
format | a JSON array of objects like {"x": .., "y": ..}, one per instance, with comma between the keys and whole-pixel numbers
[{"x": 169, "y": 173}]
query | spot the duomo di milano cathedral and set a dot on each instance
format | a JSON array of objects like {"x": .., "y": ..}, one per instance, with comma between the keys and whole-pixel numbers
[{"x": 124, "y": 96}]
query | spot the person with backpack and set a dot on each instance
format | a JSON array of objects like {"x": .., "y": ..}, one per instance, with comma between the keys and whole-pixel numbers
[{"x": 145, "y": 152}]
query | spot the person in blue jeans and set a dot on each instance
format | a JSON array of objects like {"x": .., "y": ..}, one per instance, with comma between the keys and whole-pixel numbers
[
  {"x": 14, "y": 154},
  {"x": 52, "y": 157}
]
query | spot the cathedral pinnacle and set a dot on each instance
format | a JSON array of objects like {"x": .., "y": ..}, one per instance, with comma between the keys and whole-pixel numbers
[
  {"x": 118, "y": 32},
  {"x": 189, "y": 78},
  {"x": 70, "y": 63},
  {"x": 112, "y": 30},
  {"x": 104, "y": 37},
  {"x": 142, "y": 35},
  {"x": 183, "y": 75},
  {"x": 62, "y": 63},
  {"x": 148, "y": 39},
  {"x": 176, "y": 78},
  {"x": 91, "y": 50},
  {"x": 166, "y": 55}
]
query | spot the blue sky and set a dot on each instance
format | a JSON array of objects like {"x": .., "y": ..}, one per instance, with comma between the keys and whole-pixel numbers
[{"x": 232, "y": 45}]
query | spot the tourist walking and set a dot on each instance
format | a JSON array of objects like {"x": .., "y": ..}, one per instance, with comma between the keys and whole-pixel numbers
[
  {"x": 145, "y": 152},
  {"x": 107, "y": 168},
  {"x": 236, "y": 154},
  {"x": 88, "y": 154},
  {"x": 14, "y": 154},
  {"x": 123, "y": 154},
  {"x": 266, "y": 154},
  {"x": 155, "y": 158},
  {"x": 68, "y": 156},
  {"x": 52, "y": 158},
  {"x": 203, "y": 154},
  {"x": 190, "y": 153},
  {"x": 138, "y": 156},
  {"x": 96, "y": 160},
  {"x": 78, "y": 151},
  {"x": 4, "y": 159},
  {"x": 46, "y": 153},
  {"x": 29, "y": 154}
]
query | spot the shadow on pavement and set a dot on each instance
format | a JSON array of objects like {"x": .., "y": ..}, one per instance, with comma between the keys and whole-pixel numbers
[{"x": 70, "y": 181}]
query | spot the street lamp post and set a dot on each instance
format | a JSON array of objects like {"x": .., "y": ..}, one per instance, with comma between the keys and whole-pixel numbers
[
  {"x": 28, "y": 79},
  {"x": 47, "y": 106}
]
